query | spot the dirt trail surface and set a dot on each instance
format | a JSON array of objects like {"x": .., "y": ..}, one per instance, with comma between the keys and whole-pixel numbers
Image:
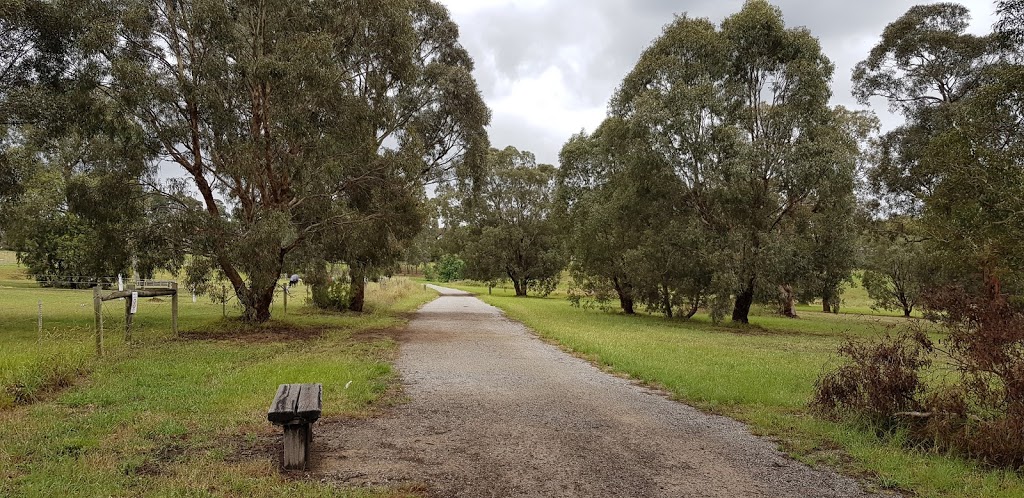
[{"x": 494, "y": 411}]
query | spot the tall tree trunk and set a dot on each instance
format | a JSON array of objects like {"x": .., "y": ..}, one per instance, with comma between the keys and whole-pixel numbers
[
  {"x": 905, "y": 302},
  {"x": 625, "y": 296},
  {"x": 741, "y": 308},
  {"x": 786, "y": 301},
  {"x": 694, "y": 306},
  {"x": 520, "y": 286},
  {"x": 357, "y": 289},
  {"x": 256, "y": 303},
  {"x": 666, "y": 300},
  {"x": 826, "y": 304}
]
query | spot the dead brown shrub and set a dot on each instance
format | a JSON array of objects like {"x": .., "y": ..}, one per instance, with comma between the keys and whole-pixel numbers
[
  {"x": 978, "y": 411},
  {"x": 878, "y": 379}
]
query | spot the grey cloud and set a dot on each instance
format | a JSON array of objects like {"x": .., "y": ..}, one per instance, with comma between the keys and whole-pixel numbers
[
  {"x": 512, "y": 130},
  {"x": 595, "y": 43}
]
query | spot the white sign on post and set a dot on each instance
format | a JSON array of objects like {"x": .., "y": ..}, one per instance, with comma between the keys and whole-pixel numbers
[{"x": 135, "y": 302}]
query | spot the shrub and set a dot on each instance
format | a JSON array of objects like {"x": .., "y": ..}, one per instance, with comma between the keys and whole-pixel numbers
[
  {"x": 450, "y": 268},
  {"x": 334, "y": 296},
  {"x": 982, "y": 414}
]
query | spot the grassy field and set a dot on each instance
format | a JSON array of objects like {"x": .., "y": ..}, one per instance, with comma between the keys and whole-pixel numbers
[
  {"x": 174, "y": 416},
  {"x": 762, "y": 374}
]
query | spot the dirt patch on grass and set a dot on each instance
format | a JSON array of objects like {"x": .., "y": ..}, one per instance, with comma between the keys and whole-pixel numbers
[
  {"x": 265, "y": 444},
  {"x": 397, "y": 334},
  {"x": 160, "y": 458},
  {"x": 256, "y": 335}
]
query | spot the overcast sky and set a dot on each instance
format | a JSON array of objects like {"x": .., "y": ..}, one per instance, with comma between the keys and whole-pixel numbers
[{"x": 547, "y": 68}]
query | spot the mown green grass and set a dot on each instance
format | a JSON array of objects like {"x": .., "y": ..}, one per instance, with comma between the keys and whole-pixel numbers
[
  {"x": 178, "y": 416},
  {"x": 762, "y": 374}
]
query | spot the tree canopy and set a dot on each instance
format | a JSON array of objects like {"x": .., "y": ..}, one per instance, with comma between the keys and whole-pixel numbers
[
  {"x": 737, "y": 118},
  {"x": 279, "y": 114},
  {"x": 504, "y": 225}
]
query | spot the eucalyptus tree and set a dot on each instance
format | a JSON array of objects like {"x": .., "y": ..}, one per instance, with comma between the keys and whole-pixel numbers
[
  {"x": 276, "y": 111},
  {"x": 741, "y": 114},
  {"x": 71, "y": 202},
  {"x": 925, "y": 62},
  {"x": 896, "y": 269},
  {"x": 956, "y": 162},
  {"x": 391, "y": 213},
  {"x": 598, "y": 214},
  {"x": 505, "y": 225},
  {"x": 630, "y": 231}
]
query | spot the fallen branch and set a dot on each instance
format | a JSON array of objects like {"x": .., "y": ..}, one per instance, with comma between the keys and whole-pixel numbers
[{"x": 932, "y": 414}]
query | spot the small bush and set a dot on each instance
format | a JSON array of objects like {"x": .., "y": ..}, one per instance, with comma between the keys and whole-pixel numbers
[
  {"x": 450, "y": 268},
  {"x": 333, "y": 296}
]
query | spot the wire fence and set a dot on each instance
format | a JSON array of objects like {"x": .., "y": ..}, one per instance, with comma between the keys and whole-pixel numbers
[{"x": 61, "y": 309}]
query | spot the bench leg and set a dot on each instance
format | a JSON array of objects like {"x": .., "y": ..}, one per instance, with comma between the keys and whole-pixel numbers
[{"x": 297, "y": 442}]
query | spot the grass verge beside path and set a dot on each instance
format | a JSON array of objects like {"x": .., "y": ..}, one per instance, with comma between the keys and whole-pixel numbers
[
  {"x": 761, "y": 374},
  {"x": 186, "y": 416}
]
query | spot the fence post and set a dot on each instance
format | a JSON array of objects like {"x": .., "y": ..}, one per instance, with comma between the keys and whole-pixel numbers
[
  {"x": 97, "y": 307},
  {"x": 128, "y": 314},
  {"x": 40, "y": 321},
  {"x": 174, "y": 308},
  {"x": 284, "y": 288}
]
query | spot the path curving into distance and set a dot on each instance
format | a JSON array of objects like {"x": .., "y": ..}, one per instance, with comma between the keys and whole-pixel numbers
[{"x": 494, "y": 411}]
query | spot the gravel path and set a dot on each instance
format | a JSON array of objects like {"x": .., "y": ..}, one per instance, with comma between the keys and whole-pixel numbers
[{"x": 494, "y": 411}]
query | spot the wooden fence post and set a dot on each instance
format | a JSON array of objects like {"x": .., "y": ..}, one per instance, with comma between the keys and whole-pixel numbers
[
  {"x": 97, "y": 306},
  {"x": 128, "y": 315},
  {"x": 284, "y": 288},
  {"x": 174, "y": 308}
]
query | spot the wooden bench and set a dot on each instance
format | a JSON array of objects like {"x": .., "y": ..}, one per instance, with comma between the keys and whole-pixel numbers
[{"x": 296, "y": 407}]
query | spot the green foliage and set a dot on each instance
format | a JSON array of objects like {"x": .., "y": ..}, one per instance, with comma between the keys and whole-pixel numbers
[
  {"x": 896, "y": 271},
  {"x": 504, "y": 225},
  {"x": 955, "y": 165},
  {"x": 320, "y": 120},
  {"x": 332, "y": 296},
  {"x": 450, "y": 268},
  {"x": 329, "y": 290},
  {"x": 720, "y": 172}
]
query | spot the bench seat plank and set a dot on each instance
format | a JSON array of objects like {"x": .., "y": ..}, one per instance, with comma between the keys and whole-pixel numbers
[
  {"x": 282, "y": 409},
  {"x": 309, "y": 405},
  {"x": 300, "y": 403}
]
